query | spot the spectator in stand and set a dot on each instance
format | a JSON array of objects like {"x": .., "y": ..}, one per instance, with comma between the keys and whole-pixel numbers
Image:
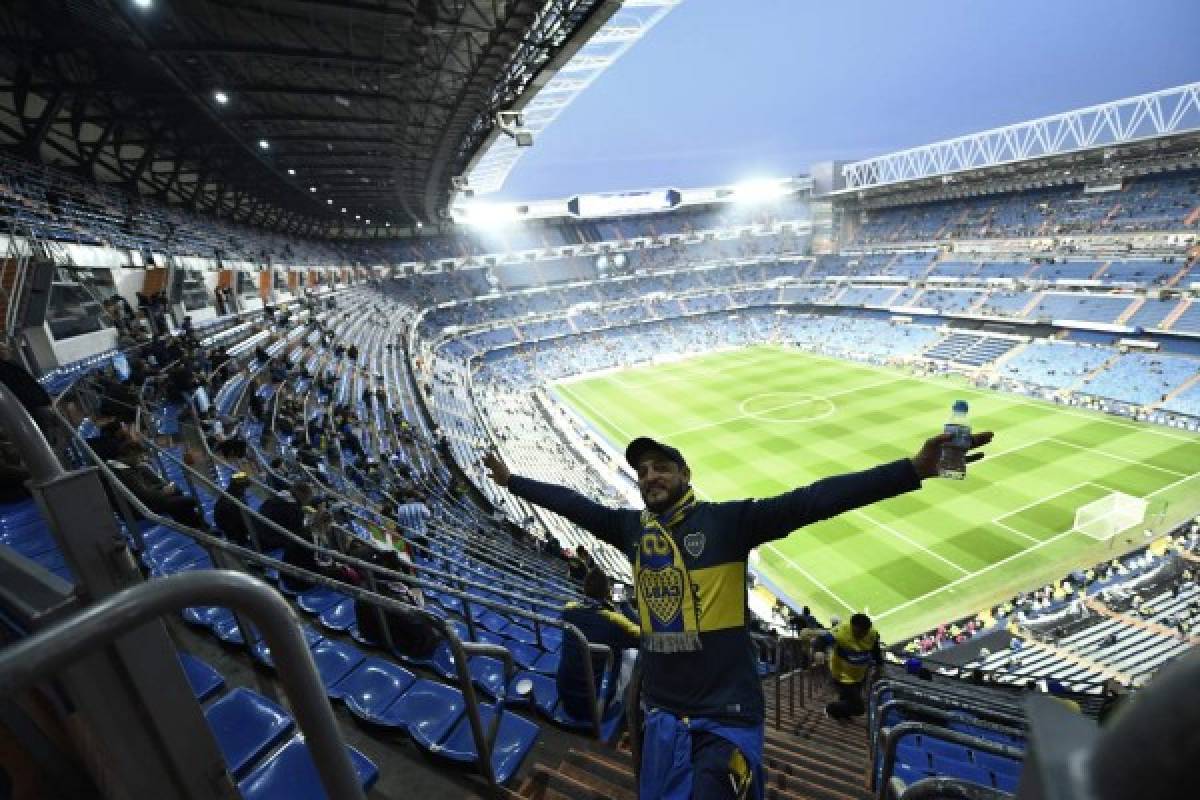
[
  {"x": 581, "y": 563},
  {"x": 227, "y": 516},
  {"x": 286, "y": 510},
  {"x": 700, "y": 682},
  {"x": 133, "y": 469},
  {"x": 855, "y": 647},
  {"x": 412, "y": 634},
  {"x": 600, "y": 623}
]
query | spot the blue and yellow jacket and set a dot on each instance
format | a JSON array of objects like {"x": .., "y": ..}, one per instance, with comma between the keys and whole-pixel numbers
[
  {"x": 600, "y": 623},
  {"x": 720, "y": 680}
]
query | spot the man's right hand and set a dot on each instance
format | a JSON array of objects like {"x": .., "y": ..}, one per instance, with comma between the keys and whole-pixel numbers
[{"x": 497, "y": 469}]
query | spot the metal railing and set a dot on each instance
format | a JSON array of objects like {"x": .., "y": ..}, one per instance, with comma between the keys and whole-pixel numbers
[{"x": 35, "y": 658}]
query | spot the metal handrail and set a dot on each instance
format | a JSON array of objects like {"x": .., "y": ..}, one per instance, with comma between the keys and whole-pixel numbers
[
  {"x": 32, "y": 659},
  {"x": 459, "y": 650},
  {"x": 951, "y": 789},
  {"x": 1015, "y": 727},
  {"x": 892, "y": 737},
  {"x": 975, "y": 703}
]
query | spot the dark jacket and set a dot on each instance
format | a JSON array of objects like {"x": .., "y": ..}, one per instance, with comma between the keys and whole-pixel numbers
[
  {"x": 600, "y": 623},
  {"x": 720, "y": 680}
]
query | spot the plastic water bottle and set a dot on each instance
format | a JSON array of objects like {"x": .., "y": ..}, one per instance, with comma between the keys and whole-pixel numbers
[{"x": 952, "y": 463}]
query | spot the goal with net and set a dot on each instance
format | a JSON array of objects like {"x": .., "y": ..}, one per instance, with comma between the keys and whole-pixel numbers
[{"x": 1115, "y": 512}]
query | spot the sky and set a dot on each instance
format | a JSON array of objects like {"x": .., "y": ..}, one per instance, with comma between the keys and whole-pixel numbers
[{"x": 727, "y": 90}]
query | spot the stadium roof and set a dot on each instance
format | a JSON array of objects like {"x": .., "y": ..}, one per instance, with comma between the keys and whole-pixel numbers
[
  {"x": 572, "y": 73},
  {"x": 277, "y": 112},
  {"x": 1143, "y": 118}
]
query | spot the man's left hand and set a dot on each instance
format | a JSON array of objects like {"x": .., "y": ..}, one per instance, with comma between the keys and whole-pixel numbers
[{"x": 926, "y": 461}]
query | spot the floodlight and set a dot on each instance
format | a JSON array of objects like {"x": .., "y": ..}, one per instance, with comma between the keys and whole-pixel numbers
[
  {"x": 263, "y": 144},
  {"x": 759, "y": 190},
  {"x": 220, "y": 97},
  {"x": 144, "y": 5},
  {"x": 291, "y": 171},
  {"x": 312, "y": 188},
  {"x": 485, "y": 215}
]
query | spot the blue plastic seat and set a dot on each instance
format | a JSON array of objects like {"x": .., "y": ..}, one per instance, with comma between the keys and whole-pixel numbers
[
  {"x": 204, "y": 680},
  {"x": 204, "y": 616},
  {"x": 521, "y": 634},
  {"x": 1005, "y": 782},
  {"x": 374, "y": 685},
  {"x": 314, "y": 601},
  {"x": 999, "y": 764},
  {"x": 426, "y": 711},
  {"x": 228, "y": 631},
  {"x": 545, "y": 691},
  {"x": 291, "y": 774},
  {"x": 953, "y": 768},
  {"x": 338, "y": 617},
  {"x": 547, "y": 663},
  {"x": 514, "y": 739},
  {"x": 954, "y": 752},
  {"x": 907, "y": 753},
  {"x": 262, "y": 651},
  {"x": 335, "y": 660},
  {"x": 526, "y": 655},
  {"x": 909, "y": 775},
  {"x": 487, "y": 673},
  {"x": 246, "y": 725}
]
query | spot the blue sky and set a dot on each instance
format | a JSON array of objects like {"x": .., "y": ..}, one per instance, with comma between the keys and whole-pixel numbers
[{"x": 725, "y": 90}]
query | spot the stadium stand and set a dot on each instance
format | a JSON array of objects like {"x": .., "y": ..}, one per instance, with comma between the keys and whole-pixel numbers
[{"x": 411, "y": 615}]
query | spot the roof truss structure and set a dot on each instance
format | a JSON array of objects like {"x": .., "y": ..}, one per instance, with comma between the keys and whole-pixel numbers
[
  {"x": 1147, "y": 116},
  {"x": 569, "y": 74},
  {"x": 376, "y": 103}
]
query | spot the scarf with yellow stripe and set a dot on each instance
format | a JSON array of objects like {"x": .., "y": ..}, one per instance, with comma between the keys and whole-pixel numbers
[{"x": 667, "y": 608}]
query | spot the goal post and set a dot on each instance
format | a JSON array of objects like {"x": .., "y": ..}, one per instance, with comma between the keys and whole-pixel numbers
[{"x": 1115, "y": 512}]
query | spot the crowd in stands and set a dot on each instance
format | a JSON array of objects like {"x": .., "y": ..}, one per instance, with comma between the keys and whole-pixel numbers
[{"x": 1151, "y": 203}]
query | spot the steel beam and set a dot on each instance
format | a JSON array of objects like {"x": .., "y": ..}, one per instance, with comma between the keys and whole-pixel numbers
[{"x": 1145, "y": 116}]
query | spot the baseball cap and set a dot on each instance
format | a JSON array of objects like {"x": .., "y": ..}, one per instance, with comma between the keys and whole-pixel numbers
[{"x": 644, "y": 444}]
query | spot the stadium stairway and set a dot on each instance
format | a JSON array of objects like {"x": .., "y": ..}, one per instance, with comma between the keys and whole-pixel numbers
[
  {"x": 1132, "y": 309},
  {"x": 1178, "y": 390},
  {"x": 1084, "y": 379},
  {"x": 807, "y": 757},
  {"x": 1175, "y": 314}
]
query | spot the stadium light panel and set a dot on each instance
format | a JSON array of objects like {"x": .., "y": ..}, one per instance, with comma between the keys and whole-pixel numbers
[
  {"x": 759, "y": 191},
  {"x": 291, "y": 171},
  {"x": 263, "y": 144},
  {"x": 220, "y": 97},
  {"x": 144, "y": 5}
]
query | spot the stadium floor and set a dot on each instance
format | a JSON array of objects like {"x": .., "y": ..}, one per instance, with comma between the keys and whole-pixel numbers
[{"x": 758, "y": 421}]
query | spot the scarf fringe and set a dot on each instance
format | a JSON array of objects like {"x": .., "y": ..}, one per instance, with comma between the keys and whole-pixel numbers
[{"x": 685, "y": 642}]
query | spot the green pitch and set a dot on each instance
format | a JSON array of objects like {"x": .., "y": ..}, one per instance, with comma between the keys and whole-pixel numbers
[{"x": 756, "y": 422}]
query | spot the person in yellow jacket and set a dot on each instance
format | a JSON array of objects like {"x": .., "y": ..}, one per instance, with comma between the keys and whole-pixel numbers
[{"x": 854, "y": 646}]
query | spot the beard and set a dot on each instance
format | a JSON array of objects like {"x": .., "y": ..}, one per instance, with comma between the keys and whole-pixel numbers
[{"x": 672, "y": 496}]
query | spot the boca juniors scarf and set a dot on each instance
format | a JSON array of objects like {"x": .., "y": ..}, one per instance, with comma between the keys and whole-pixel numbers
[{"x": 667, "y": 607}]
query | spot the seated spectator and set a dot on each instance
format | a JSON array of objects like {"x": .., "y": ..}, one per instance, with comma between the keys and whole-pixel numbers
[
  {"x": 581, "y": 563},
  {"x": 286, "y": 510},
  {"x": 133, "y": 469},
  {"x": 228, "y": 516},
  {"x": 411, "y": 634},
  {"x": 600, "y": 622}
]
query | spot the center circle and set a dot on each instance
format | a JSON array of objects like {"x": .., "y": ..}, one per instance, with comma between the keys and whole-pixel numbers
[{"x": 787, "y": 407}]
